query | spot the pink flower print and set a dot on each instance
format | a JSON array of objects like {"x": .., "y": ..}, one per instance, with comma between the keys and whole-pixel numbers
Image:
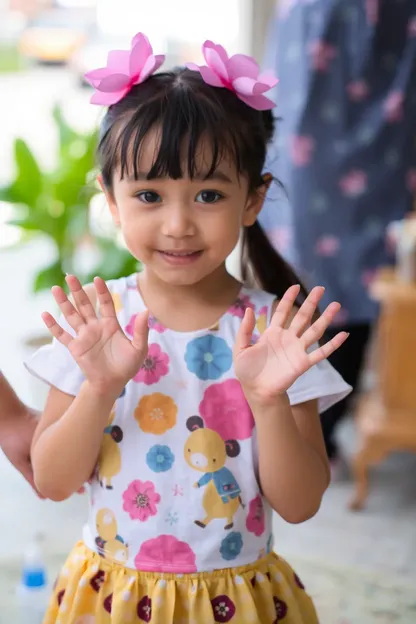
[
  {"x": 224, "y": 409},
  {"x": 166, "y": 554},
  {"x": 255, "y": 520},
  {"x": 354, "y": 183},
  {"x": 240, "y": 306},
  {"x": 327, "y": 246},
  {"x": 301, "y": 149},
  {"x": 321, "y": 54},
  {"x": 155, "y": 366},
  {"x": 280, "y": 237},
  {"x": 358, "y": 90},
  {"x": 411, "y": 27},
  {"x": 411, "y": 180},
  {"x": 372, "y": 8},
  {"x": 140, "y": 500},
  {"x": 154, "y": 324},
  {"x": 393, "y": 106}
]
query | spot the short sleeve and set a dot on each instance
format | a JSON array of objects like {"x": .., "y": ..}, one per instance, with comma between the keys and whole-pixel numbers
[
  {"x": 321, "y": 382},
  {"x": 55, "y": 365}
]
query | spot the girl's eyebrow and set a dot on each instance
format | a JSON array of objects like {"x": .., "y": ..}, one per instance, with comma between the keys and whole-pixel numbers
[{"x": 216, "y": 176}]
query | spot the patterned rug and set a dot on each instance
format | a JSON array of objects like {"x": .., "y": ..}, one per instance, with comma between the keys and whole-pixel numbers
[{"x": 341, "y": 595}]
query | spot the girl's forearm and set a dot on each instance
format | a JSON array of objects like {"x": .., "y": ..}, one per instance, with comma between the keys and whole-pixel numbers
[
  {"x": 65, "y": 454},
  {"x": 293, "y": 476}
]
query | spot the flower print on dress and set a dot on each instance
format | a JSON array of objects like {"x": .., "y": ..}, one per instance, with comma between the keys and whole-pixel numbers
[
  {"x": 240, "y": 306},
  {"x": 140, "y": 500},
  {"x": 281, "y": 609},
  {"x": 321, "y": 54},
  {"x": 208, "y": 357},
  {"x": 144, "y": 609},
  {"x": 327, "y": 245},
  {"x": 354, "y": 183},
  {"x": 224, "y": 409},
  {"x": 166, "y": 554},
  {"x": 154, "y": 367},
  {"x": 255, "y": 521},
  {"x": 357, "y": 90},
  {"x": 160, "y": 458},
  {"x": 261, "y": 323},
  {"x": 156, "y": 413},
  {"x": 223, "y": 608},
  {"x": 301, "y": 150},
  {"x": 393, "y": 107},
  {"x": 231, "y": 546}
]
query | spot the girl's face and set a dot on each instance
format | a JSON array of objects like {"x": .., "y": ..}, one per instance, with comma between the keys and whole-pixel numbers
[{"x": 182, "y": 230}]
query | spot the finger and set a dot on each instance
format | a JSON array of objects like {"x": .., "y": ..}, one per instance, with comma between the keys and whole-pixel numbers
[
  {"x": 26, "y": 471},
  {"x": 69, "y": 311},
  {"x": 315, "y": 332},
  {"x": 141, "y": 331},
  {"x": 82, "y": 301},
  {"x": 105, "y": 299},
  {"x": 56, "y": 330},
  {"x": 245, "y": 332},
  {"x": 322, "y": 353},
  {"x": 304, "y": 315},
  {"x": 285, "y": 306}
]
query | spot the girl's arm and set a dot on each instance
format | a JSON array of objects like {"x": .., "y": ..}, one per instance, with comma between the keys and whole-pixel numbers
[
  {"x": 293, "y": 465},
  {"x": 67, "y": 441}
]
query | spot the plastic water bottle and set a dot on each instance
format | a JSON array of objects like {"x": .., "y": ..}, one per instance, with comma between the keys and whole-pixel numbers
[{"x": 32, "y": 592}]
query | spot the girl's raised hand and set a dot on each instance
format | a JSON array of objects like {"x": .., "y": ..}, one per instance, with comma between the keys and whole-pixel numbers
[
  {"x": 103, "y": 352},
  {"x": 268, "y": 368}
]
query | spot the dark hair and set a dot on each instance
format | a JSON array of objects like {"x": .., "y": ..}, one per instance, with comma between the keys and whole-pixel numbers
[{"x": 187, "y": 111}]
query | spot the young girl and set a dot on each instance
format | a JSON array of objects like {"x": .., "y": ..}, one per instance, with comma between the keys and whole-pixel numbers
[{"x": 191, "y": 399}]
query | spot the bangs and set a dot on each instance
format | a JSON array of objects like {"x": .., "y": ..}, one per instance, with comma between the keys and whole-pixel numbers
[{"x": 194, "y": 133}]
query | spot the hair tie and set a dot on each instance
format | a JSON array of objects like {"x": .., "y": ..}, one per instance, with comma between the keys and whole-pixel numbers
[
  {"x": 124, "y": 70},
  {"x": 238, "y": 73}
]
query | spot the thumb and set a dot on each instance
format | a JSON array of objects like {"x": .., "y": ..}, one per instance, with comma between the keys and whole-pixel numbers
[
  {"x": 245, "y": 333},
  {"x": 26, "y": 471},
  {"x": 141, "y": 332}
]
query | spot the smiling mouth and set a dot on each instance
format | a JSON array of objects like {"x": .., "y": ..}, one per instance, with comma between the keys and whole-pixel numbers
[{"x": 180, "y": 254}]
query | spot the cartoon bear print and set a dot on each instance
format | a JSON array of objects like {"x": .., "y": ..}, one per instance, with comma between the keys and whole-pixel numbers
[
  {"x": 109, "y": 461},
  {"x": 207, "y": 452},
  {"x": 110, "y": 545}
]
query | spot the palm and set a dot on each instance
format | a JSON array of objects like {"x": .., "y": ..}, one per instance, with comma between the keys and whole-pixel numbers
[
  {"x": 282, "y": 354},
  {"x": 101, "y": 349}
]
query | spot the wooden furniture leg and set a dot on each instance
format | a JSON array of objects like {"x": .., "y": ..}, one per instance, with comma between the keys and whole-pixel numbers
[{"x": 371, "y": 452}]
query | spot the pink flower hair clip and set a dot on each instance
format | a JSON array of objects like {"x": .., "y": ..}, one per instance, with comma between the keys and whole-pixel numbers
[
  {"x": 125, "y": 68},
  {"x": 238, "y": 73}
]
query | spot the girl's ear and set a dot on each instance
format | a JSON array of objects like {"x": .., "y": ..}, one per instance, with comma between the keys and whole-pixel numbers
[
  {"x": 110, "y": 200},
  {"x": 255, "y": 201}
]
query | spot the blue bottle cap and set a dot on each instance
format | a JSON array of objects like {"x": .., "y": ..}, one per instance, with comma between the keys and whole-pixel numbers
[{"x": 34, "y": 578}]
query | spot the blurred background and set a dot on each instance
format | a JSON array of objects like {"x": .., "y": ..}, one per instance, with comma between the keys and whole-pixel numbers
[{"x": 359, "y": 567}]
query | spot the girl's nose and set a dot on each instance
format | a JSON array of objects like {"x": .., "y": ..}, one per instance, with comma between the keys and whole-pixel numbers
[{"x": 178, "y": 222}]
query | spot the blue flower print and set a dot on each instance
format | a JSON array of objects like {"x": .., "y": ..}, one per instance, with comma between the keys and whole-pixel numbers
[
  {"x": 160, "y": 458},
  {"x": 208, "y": 357},
  {"x": 231, "y": 546}
]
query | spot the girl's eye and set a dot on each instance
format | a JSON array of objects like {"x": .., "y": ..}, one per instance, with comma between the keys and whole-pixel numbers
[
  {"x": 208, "y": 197},
  {"x": 148, "y": 197}
]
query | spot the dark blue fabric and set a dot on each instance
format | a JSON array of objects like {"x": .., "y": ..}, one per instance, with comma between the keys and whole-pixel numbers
[{"x": 345, "y": 149}]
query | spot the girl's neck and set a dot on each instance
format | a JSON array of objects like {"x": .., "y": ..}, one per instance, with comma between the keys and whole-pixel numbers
[{"x": 189, "y": 308}]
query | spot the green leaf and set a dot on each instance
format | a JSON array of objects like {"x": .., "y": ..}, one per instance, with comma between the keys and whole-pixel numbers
[
  {"x": 49, "y": 276},
  {"x": 27, "y": 186}
]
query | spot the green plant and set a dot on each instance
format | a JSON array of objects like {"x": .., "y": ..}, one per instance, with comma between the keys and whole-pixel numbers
[{"x": 56, "y": 204}]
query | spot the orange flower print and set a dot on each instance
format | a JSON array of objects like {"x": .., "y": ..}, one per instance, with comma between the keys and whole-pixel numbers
[
  {"x": 156, "y": 413},
  {"x": 118, "y": 304},
  {"x": 261, "y": 323}
]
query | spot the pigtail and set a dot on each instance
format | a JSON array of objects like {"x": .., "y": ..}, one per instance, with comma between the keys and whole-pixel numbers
[{"x": 270, "y": 271}]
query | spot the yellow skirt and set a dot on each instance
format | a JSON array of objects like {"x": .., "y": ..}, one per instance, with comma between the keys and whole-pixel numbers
[{"x": 93, "y": 590}]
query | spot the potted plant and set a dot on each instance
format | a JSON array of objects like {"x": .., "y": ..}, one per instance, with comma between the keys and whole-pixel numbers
[{"x": 56, "y": 204}]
